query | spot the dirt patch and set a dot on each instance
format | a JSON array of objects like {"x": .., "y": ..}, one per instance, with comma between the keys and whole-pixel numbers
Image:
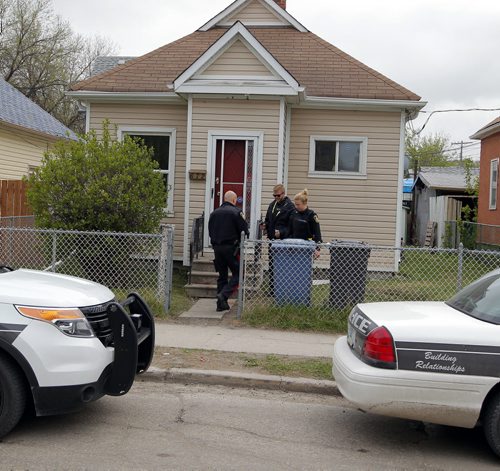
[{"x": 294, "y": 366}]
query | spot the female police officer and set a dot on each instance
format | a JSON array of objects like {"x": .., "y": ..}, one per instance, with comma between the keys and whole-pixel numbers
[{"x": 304, "y": 222}]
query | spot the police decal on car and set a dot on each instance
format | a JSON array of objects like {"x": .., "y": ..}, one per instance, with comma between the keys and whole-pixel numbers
[
  {"x": 9, "y": 332},
  {"x": 476, "y": 360}
]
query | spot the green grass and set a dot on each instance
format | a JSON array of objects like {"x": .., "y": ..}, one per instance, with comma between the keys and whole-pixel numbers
[
  {"x": 318, "y": 368},
  {"x": 290, "y": 317},
  {"x": 423, "y": 276},
  {"x": 180, "y": 302}
]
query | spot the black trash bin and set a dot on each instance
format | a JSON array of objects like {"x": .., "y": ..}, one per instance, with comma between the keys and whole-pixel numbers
[{"x": 348, "y": 272}]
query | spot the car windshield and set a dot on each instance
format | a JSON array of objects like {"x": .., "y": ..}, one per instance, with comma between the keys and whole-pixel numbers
[{"x": 480, "y": 299}]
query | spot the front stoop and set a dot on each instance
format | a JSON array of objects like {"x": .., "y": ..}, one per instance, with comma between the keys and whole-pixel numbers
[{"x": 203, "y": 278}]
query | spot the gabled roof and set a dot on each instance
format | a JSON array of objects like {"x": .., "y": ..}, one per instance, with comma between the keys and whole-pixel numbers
[
  {"x": 239, "y": 5},
  {"x": 320, "y": 67},
  {"x": 488, "y": 130},
  {"x": 18, "y": 110},
  {"x": 237, "y": 32},
  {"x": 444, "y": 178}
]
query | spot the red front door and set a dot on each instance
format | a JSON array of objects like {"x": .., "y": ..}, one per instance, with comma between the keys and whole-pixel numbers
[{"x": 230, "y": 170}]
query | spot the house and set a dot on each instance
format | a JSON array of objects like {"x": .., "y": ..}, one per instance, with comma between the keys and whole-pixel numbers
[
  {"x": 26, "y": 132},
  {"x": 440, "y": 193},
  {"x": 489, "y": 205},
  {"x": 253, "y": 98}
]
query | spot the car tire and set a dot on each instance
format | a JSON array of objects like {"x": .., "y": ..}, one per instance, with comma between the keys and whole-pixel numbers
[
  {"x": 12, "y": 395},
  {"x": 491, "y": 423}
]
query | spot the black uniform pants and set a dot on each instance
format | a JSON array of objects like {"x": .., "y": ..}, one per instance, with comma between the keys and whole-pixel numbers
[{"x": 226, "y": 259}]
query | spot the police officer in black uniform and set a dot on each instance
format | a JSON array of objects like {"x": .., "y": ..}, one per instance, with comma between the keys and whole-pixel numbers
[
  {"x": 304, "y": 222},
  {"x": 278, "y": 213},
  {"x": 225, "y": 226},
  {"x": 276, "y": 224}
]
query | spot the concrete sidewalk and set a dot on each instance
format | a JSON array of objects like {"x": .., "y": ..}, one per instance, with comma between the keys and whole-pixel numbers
[{"x": 244, "y": 340}]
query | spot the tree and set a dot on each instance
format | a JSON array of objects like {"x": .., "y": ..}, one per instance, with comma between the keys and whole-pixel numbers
[
  {"x": 427, "y": 151},
  {"x": 98, "y": 184},
  {"x": 42, "y": 56}
]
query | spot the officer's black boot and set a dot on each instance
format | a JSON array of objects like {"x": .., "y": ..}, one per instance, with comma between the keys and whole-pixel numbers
[{"x": 222, "y": 304}]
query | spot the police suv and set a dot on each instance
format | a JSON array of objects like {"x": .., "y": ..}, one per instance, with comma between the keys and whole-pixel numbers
[
  {"x": 65, "y": 341},
  {"x": 435, "y": 362}
]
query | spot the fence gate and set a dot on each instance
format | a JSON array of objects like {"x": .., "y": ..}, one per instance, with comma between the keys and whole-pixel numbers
[{"x": 13, "y": 200}]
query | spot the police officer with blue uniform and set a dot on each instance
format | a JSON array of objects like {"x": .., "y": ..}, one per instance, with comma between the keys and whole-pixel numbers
[{"x": 225, "y": 226}]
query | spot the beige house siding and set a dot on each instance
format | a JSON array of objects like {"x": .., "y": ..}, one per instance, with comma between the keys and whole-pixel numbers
[
  {"x": 234, "y": 115},
  {"x": 154, "y": 115},
  {"x": 361, "y": 209},
  {"x": 254, "y": 12},
  {"x": 238, "y": 60},
  {"x": 20, "y": 150}
]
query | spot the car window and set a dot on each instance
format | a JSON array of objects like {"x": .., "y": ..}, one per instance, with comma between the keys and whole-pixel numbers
[{"x": 480, "y": 299}]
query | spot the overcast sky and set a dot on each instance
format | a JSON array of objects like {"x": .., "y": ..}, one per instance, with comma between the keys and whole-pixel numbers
[{"x": 447, "y": 51}]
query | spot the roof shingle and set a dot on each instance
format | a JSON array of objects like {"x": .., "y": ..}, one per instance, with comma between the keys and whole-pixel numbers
[
  {"x": 320, "y": 67},
  {"x": 18, "y": 110}
]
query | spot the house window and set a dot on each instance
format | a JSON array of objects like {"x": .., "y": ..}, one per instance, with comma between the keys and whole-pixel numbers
[
  {"x": 162, "y": 141},
  {"x": 493, "y": 183},
  {"x": 337, "y": 156}
]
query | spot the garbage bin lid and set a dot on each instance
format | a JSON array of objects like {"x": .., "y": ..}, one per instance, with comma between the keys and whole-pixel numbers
[
  {"x": 348, "y": 242},
  {"x": 294, "y": 243}
]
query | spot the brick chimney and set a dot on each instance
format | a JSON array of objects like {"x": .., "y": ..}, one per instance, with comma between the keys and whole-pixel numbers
[{"x": 281, "y": 3}]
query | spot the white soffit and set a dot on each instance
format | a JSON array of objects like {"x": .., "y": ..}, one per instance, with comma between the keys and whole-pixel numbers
[{"x": 283, "y": 18}]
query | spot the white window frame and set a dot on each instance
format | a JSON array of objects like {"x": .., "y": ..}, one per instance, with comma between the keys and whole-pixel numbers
[
  {"x": 158, "y": 131},
  {"x": 335, "y": 174},
  {"x": 493, "y": 184}
]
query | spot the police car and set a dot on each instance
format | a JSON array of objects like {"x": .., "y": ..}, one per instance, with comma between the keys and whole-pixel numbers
[
  {"x": 65, "y": 341},
  {"x": 435, "y": 362}
]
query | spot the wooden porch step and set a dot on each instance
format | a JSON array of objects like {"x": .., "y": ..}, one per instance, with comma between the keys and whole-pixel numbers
[
  {"x": 204, "y": 277},
  {"x": 202, "y": 264},
  {"x": 197, "y": 290}
]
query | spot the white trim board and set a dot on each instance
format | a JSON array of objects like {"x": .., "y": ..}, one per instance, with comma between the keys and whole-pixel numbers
[
  {"x": 239, "y": 4},
  {"x": 258, "y": 138},
  {"x": 157, "y": 131},
  {"x": 238, "y": 31},
  {"x": 187, "y": 190},
  {"x": 149, "y": 97}
]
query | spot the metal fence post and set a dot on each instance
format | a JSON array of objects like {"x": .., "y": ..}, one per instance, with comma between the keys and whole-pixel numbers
[
  {"x": 54, "y": 251},
  {"x": 165, "y": 266},
  {"x": 169, "y": 268},
  {"x": 460, "y": 266},
  {"x": 240, "y": 288}
]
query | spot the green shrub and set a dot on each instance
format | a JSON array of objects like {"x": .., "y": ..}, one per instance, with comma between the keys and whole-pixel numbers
[{"x": 98, "y": 184}]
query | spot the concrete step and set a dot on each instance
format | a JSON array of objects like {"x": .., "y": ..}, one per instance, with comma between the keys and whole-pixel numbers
[
  {"x": 203, "y": 264},
  {"x": 203, "y": 277},
  {"x": 196, "y": 290}
]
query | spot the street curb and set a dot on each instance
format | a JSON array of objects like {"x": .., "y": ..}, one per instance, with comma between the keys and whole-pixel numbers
[{"x": 241, "y": 380}]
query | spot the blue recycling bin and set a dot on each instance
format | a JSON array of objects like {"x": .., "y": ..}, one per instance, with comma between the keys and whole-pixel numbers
[{"x": 292, "y": 271}]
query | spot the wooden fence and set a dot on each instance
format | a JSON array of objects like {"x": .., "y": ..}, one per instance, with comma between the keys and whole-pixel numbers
[{"x": 13, "y": 200}]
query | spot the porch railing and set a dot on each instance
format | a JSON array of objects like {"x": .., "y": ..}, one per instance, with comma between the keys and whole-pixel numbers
[{"x": 197, "y": 238}]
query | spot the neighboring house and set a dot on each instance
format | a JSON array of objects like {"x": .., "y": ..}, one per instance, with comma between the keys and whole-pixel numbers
[
  {"x": 407, "y": 200},
  {"x": 440, "y": 193},
  {"x": 489, "y": 203},
  {"x": 104, "y": 63},
  {"x": 26, "y": 132},
  {"x": 253, "y": 98}
]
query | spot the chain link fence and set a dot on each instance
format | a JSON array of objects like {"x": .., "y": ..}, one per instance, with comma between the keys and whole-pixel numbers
[
  {"x": 293, "y": 284},
  {"x": 124, "y": 262},
  {"x": 472, "y": 235}
]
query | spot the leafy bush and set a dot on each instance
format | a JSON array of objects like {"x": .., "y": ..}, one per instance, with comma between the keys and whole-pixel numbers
[{"x": 97, "y": 183}]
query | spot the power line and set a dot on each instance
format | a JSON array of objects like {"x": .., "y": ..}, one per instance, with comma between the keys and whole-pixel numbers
[{"x": 431, "y": 113}]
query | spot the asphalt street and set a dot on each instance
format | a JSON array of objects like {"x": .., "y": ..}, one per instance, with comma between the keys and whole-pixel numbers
[{"x": 168, "y": 426}]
